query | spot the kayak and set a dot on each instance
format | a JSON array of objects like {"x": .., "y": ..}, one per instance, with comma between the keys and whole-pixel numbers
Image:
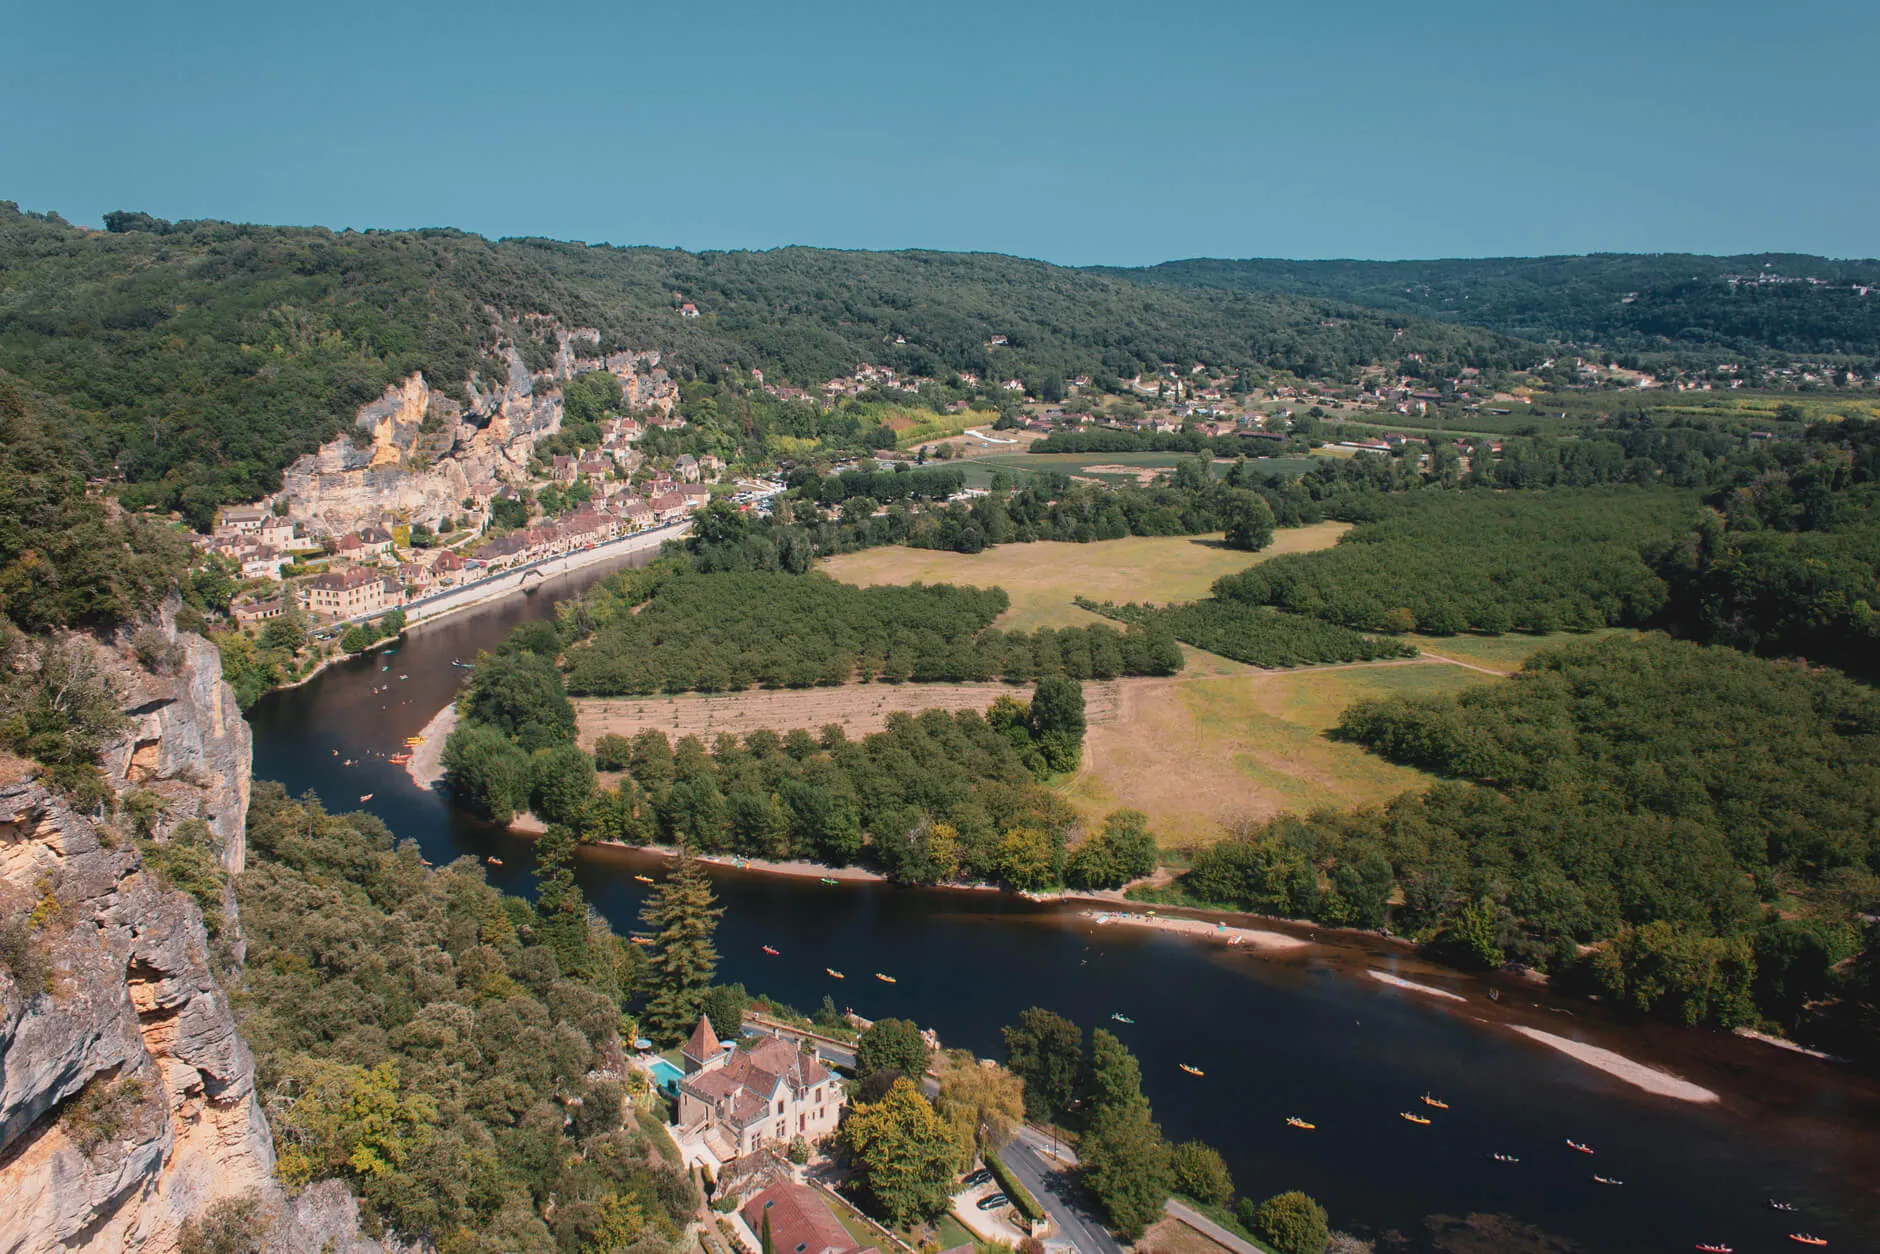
[
  {"x": 770, "y": 951},
  {"x": 1578, "y": 1148},
  {"x": 644, "y": 879},
  {"x": 1191, "y": 1070},
  {"x": 835, "y": 974},
  {"x": 885, "y": 979},
  {"x": 1413, "y": 1118},
  {"x": 1431, "y": 1101},
  {"x": 1296, "y": 1122}
]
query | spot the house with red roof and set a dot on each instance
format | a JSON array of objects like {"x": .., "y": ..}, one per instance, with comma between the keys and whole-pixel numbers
[{"x": 792, "y": 1218}]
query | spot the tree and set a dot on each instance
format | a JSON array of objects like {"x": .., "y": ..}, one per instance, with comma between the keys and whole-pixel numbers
[
  {"x": 682, "y": 916},
  {"x": 563, "y": 780},
  {"x": 903, "y": 1155},
  {"x": 982, "y": 1102},
  {"x": 613, "y": 753},
  {"x": 520, "y": 694},
  {"x": 891, "y": 1045},
  {"x": 1121, "y": 851},
  {"x": 1028, "y": 858},
  {"x": 1202, "y": 1174},
  {"x": 1248, "y": 520},
  {"x": 725, "y": 1005},
  {"x": 1126, "y": 1165},
  {"x": 559, "y": 903},
  {"x": 1115, "y": 1077},
  {"x": 1292, "y": 1223},
  {"x": 1046, "y": 1051},
  {"x": 1057, "y": 721}
]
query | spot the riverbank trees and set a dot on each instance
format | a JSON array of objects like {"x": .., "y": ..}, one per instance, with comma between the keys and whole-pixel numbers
[{"x": 1126, "y": 1164}]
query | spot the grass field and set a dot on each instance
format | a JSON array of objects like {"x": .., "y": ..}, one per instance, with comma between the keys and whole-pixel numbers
[
  {"x": 1042, "y": 578},
  {"x": 1506, "y": 653},
  {"x": 1204, "y": 751}
]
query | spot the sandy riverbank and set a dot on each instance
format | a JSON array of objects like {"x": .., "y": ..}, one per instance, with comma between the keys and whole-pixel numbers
[
  {"x": 1428, "y": 990},
  {"x": 426, "y": 767},
  {"x": 1199, "y": 927},
  {"x": 1620, "y": 1067}
]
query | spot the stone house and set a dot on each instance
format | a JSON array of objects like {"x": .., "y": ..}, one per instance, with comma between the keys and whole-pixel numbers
[
  {"x": 345, "y": 593},
  {"x": 734, "y": 1099}
]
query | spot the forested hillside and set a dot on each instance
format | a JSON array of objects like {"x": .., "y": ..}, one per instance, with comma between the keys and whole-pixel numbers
[
  {"x": 1624, "y": 302},
  {"x": 198, "y": 358},
  {"x": 435, "y": 1043}
]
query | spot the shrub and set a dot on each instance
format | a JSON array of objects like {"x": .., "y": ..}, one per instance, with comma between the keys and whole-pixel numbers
[
  {"x": 1292, "y": 1223},
  {"x": 1026, "y": 1204},
  {"x": 1201, "y": 1173}
]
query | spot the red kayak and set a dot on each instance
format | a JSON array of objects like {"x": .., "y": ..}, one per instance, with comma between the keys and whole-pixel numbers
[{"x": 770, "y": 951}]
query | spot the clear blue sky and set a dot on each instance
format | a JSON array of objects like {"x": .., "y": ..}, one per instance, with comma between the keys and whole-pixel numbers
[{"x": 1081, "y": 132}]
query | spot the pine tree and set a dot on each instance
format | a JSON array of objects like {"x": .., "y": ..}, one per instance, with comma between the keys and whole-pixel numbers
[
  {"x": 682, "y": 915},
  {"x": 559, "y": 903}
]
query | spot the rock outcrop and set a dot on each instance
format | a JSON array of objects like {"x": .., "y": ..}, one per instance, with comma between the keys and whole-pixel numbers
[
  {"x": 127, "y": 1096},
  {"x": 413, "y": 454},
  {"x": 187, "y": 742},
  {"x": 127, "y": 1102}
]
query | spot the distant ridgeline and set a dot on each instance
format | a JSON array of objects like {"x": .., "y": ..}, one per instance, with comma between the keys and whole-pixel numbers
[
  {"x": 204, "y": 356},
  {"x": 1714, "y": 308}
]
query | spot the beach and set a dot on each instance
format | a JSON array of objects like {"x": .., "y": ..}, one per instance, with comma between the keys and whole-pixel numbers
[{"x": 426, "y": 767}]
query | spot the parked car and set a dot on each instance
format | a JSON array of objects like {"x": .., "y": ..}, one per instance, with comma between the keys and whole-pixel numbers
[
  {"x": 993, "y": 1201},
  {"x": 977, "y": 1178}
]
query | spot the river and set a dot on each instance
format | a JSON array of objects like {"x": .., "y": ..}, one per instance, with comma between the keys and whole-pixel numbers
[{"x": 1302, "y": 1032}]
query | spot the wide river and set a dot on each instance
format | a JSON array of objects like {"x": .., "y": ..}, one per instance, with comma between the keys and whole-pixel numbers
[{"x": 1305, "y": 1032}]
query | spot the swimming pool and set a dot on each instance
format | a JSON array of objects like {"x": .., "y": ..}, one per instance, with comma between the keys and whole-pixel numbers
[{"x": 666, "y": 1077}]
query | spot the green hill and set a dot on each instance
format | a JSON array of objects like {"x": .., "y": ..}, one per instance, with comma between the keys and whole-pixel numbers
[
  {"x": 198, "y": 358},
  {"x": 1629, "y": 303}
]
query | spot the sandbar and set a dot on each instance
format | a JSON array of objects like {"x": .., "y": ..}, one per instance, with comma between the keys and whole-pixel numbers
[{"x": 1620, "y": 1067}]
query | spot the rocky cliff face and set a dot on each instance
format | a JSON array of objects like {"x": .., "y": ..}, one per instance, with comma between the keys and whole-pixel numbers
[
  {"x": 127, "y": 1104},
  {"x": 127, "y": 1097},
  {"x": 187, "y": 741},
  {"x": 392, "y": 466}
]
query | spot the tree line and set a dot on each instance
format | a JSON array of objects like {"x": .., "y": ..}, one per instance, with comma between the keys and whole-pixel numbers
[
  {"x": 1256, "y": 635},
  {"x": 1125, "y": 1162}
]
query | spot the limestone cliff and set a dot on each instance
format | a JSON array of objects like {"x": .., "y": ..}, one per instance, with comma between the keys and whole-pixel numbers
[
  {"x": 413, "y": 454},
  {"x": 127, "y": 1096}
]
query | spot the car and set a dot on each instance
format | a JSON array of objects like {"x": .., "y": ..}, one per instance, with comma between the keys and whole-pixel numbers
[
  {"x": 977, "y": 1178},
  {"x": 993, "y": 1201}
]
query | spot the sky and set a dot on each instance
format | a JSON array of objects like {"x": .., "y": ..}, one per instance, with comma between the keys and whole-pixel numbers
[{"x": 1087, "y": 132}]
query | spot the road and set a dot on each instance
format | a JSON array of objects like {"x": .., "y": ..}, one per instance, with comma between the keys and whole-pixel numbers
[{"x": 1027, "y": 1154}]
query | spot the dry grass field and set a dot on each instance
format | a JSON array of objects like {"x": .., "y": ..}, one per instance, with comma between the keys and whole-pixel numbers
[
  {"x": 857, "y": 708},
  {"x": 1223, "y": 743},
  {"x": 1042, "y": 578},
  {"x": 1218, "y": 744}
]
